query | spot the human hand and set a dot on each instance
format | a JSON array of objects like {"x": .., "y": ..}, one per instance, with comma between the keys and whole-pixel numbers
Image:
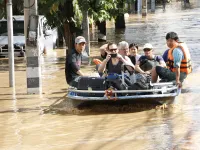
[
  {"x": 179, "y": 84},
  {"x": 119, "y": 57},
  {"x": 108, "y": 58},
  {"x": 147, "y": 72}
]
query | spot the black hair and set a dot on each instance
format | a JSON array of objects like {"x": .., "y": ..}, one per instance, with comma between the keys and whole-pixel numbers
[
  {"x": 110, "y": 43},
  {"x": 133, "y": 45},
  {"x": 172, "y": 35}
]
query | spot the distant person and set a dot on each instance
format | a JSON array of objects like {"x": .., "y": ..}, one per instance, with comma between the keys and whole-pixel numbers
[
  {"x": 133, "y": 53},
  {"x": 148, "y": 61},
  {"x": 178, "y": 64},
  {"x": 73, "y": 62}
]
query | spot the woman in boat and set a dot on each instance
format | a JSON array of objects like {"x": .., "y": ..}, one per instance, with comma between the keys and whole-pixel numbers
[
  {"x": 148, "y": 61},
  {"x": 114, "y": 61},
  {"x": 133, "y": 53}
]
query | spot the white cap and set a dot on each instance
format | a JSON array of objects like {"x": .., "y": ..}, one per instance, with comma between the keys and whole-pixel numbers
[
  {"x": 80, "y": 39},
  {"x": 148, "y": 45}
]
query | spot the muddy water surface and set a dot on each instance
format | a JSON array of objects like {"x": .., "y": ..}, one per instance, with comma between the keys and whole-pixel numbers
[{"x": 27, "y": 124}]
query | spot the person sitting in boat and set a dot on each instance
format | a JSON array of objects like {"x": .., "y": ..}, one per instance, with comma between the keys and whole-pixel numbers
[
  {"x": 123, "y": 47},
  {"x": 114, "y": 61},
  {"x": 165, "y": 55},
  {"x": 178, "y": 64},
  {"x": 73, "y": 62},
  {"x": 103, "y": 51},
  {"x": 148, "y": 61},
  {"x": 133, "y": 53}
]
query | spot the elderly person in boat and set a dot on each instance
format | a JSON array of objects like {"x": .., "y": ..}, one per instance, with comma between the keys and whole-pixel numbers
[
  {"x": 123, "y": 47},
  {"x": 148, "y": 61},
  {"x": 114, "y": 61}
]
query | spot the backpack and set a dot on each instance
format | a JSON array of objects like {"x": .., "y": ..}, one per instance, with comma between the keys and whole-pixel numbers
[
  {"x": 148, "y": 64},
  {"x": 142, "y": 82}
]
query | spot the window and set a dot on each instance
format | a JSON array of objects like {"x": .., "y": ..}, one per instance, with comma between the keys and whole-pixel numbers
[{"x": 18, "y": 28}]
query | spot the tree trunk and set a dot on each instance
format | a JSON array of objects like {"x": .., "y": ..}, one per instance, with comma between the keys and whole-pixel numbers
[
  {"x": 68, "y": 36},
  {"x": 102, "y": 31},
  {"x": 60, "y": 42},
  {"x": 120, "y": 22}
]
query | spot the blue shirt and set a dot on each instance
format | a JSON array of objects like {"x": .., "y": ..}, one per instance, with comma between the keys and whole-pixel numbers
[{"x": 178, "y": 57}]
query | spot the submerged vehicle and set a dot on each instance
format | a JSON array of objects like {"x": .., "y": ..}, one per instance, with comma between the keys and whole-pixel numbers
[
  {"x": 117, "y": 87},
  {"x": 47, "y": 36}
]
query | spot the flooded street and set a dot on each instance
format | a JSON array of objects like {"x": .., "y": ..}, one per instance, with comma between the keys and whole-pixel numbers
[{"x": 26, "y": 123}]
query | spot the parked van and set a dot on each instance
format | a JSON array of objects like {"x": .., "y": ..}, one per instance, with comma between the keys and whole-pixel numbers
[{"x": 47, "y": 37}]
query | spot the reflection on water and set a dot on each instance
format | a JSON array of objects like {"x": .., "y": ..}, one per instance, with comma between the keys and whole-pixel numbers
[{"x": 27, "y": 123}]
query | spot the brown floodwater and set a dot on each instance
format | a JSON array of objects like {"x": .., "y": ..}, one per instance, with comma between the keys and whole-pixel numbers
[{"x": 48, "y": 121}]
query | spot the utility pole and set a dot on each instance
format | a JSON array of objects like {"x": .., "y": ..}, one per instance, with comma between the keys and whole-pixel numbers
[
  {"x": 153, "y": 5},
  {"x": 10, "y": 44},
  {"x": 86, "y": 32},
  {"x": 139, "y": 5},
  {"x": 144, "y": 8},
  {"x": 33, "y": 66}
]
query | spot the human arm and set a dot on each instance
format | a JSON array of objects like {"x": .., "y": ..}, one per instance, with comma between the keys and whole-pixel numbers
[
  {"x": 127, "y": 62},
  {"x": 138, "y": 69},
  {"x": 161, "y": 61},
  {"x": 103, "y": 50},
  {"x": 178, "y": 83},
  {"x": 80, "y": 73},
  {"x": 102, "y": 66},
  {"x": 178, "y": 56},
  {"x": 75, "y": 62}
]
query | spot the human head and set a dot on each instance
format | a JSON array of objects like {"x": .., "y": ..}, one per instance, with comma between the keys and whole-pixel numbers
[
  {"x": 172, "y": 39},
  {"x": 133, "y": 48},
  {"x": 112, "y": 48},
  {"x": 123, "y": 48},
  {"x": 148, "y": 50},
  {"x": 80, "y": 44}
]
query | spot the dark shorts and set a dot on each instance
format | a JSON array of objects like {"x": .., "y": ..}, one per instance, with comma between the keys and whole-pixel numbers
[{"x": 167, "y": 75}]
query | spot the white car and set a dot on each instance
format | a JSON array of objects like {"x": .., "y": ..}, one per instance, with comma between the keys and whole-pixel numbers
[{"x": 47, "y": 37}]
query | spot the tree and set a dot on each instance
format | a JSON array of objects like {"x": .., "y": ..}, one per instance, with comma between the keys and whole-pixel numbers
[
  {"x": 18, "y": 8},
  {"x": 2, "y": 8},
  {"x": 67, "y": 14}
]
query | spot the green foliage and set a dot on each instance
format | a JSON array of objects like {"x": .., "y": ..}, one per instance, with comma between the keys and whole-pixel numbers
[
  {"x": 58, "y": 12},
  {"x": 18, "y": 8},
  {"x": 2, "y": 9}
]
